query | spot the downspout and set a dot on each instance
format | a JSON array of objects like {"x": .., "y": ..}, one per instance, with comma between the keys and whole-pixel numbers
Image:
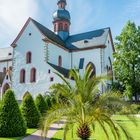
[{"x": 71, "y": 60}]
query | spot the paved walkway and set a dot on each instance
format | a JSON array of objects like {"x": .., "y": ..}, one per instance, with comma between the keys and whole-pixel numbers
[
  {"x": 138, "y": 115},
  {"x": 37, "y": 135}
]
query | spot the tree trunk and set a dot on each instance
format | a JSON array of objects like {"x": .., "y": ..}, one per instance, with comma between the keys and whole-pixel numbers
[{"x": 136, "y": 97}]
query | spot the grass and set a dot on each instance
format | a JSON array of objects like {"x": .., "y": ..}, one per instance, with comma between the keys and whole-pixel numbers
[
  {"x": 29, "y": 132},
  {"x": 99, "y": 135}
]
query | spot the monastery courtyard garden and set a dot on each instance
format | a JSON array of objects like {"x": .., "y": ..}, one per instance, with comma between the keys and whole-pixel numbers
[{"x": 86, "y": 114}]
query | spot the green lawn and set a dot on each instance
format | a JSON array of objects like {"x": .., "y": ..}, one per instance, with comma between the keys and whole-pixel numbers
[
  {"x": 29, "y": 131},
  {"x": 98, "y": 134}
]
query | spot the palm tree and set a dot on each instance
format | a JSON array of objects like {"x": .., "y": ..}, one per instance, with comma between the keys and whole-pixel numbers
[{"x": 80, "y": 102}]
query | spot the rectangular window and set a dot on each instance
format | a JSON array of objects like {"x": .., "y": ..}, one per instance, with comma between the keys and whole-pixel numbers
[
  {"x": 81, "y": 63},
  {"x": 49, "y": 71},
  {"x": 51, "y": 79}
]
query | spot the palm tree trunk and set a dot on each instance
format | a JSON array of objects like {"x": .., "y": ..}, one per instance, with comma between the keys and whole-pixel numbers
[{"x": 84, "y": 132}]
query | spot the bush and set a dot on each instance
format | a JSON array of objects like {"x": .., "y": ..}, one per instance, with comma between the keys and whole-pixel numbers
[
  {"x": 41, "y": 104},
  {"x": 135, "y": 108},
  {"x": 12, "y": 123},
  {"x": 132, "y": 109},
  {"x": 48, "y": 101},
  {"x": 30, "y": 112}
]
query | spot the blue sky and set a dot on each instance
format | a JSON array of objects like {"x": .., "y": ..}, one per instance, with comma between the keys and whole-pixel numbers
[{"x": 86, "y": 15}]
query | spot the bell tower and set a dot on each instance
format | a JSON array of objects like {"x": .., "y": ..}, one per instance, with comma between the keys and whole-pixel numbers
[{"x": 61, "y": 20}]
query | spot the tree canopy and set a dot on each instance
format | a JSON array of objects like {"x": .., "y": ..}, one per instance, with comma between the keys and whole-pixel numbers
[
  {"x": 127, "y": 59},
  {"x": 41, "y": 104},
  {"x": 30, "y": 111},
  {"x": 12, "y": 123}
]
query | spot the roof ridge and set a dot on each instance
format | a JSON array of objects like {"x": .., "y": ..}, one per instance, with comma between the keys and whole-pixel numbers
[{"x": 90, "y": 31}]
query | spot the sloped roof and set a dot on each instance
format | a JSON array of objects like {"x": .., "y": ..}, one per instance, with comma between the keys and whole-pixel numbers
[
  {"x": 6, "y": 53},
  {"x": 63, "y": 71},
  {"x": 74, "y": 42},
  {"x": 44, "y": 30},
  {"x": 88, "y": 39},
  {"x": 48, "y": 33}
]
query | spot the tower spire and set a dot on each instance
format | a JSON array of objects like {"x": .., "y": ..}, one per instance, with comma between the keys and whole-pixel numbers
[
  {"x": 62, "y": 3},
  {"x": 61, "y": 20}
]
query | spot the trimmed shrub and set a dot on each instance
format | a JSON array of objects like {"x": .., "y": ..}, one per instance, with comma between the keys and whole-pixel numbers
[
  {"x": 30, "y": 111},
  {"x": 41, "y": 104},
  {"x": 48, "y": 101},
  {"x": 12, "y": 123}
]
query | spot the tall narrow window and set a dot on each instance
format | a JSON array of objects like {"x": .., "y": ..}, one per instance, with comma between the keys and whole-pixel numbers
[
  {"x": 66, "y": 27},
  {"x": 4, "y": 70},
  {"x": 28, "y": 57},
  {"x": 33, "y": 75},
  {"x": 60, "y": 61},
  {"x": 60, "y": 27},
  {"x": 22, "y": 76},
  {"x": 54, "y": 27}
]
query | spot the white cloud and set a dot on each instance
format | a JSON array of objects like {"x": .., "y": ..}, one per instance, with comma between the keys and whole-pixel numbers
[{"x": 13, "y": 14}]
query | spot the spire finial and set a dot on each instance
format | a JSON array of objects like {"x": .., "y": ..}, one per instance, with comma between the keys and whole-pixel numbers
[
  {"x": 61, "y": 1},
  {"x": 62, "y": 4}
]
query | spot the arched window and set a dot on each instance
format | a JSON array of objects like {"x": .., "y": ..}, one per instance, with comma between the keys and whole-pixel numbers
[
  {"x": 22, "y": 76},
  {"x": 60, "y": 61},
  {"x": 4, "y": 70},
  {"x": 110, "y": 71},
  {"x": 33, "y": 75},
  {"x": 93, "y": 68},
  {"x": 28, "y": 57},
  {"x": 60, "y": 27},
  {"x": 66, "y": 27}
]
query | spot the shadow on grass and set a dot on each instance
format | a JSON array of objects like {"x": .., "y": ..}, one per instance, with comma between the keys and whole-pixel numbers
[{"x": 55, "y": 139}]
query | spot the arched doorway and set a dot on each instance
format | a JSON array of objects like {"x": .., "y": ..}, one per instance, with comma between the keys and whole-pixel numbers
[
  {"x": 5, "y": 88},
  {"x": 93, "y": 68},
  {"x": 110, "y": 69}
]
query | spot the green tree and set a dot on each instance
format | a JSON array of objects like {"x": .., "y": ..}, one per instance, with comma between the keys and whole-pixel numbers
[
  {"x": 41, "y": 104},
  {"x": 30, "y": 111},
  {"x": 48, "y": 101},
  {"x": 127, "y": 59},
  {"x": 12, "y": 123},
  {"x": 80, "y": 103}
]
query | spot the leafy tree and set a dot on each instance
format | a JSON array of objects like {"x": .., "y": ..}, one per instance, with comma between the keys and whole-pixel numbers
[
  {"x": 127, "y": 59},
  {"x": 41, "y": 104},
  {"x": 48, "y": 101},
  {"x": 12, "y": 123},
  {"x": 80, "y": 103},
  {"x": 30, "y": 111}
]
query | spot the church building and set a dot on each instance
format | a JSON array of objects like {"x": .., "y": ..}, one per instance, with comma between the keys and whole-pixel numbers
[{"x": 39, "y": 52}]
